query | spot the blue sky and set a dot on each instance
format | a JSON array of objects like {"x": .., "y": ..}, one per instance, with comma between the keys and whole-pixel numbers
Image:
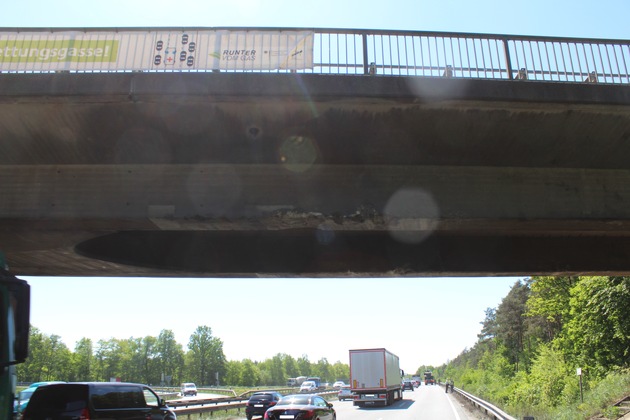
[
  {"x": 424, "y": 321},
  {"x": 577, "y": 18}
]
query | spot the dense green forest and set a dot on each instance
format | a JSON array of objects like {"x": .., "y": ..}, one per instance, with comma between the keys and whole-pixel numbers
[
  {"x": 162, "y": 361},
  {"x": 525, "y": 360},
  {"x": 531, "y": 345}
]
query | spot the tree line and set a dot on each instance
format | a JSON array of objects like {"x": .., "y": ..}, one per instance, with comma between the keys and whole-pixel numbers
[
  {"x": 530, "y": 346},
  {"x": 162, "y": 360}
]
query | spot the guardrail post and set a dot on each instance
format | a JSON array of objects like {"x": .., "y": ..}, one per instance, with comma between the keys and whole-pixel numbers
[
  {"x": 365, "y": 53},
  {"x": 508, "y": 61}
]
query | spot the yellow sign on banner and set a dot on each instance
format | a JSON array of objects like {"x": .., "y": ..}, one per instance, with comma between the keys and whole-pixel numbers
[{"x": 40, "y": 51}]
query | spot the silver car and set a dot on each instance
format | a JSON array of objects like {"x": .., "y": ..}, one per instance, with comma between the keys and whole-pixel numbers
[{"x": 345, "y": 393}]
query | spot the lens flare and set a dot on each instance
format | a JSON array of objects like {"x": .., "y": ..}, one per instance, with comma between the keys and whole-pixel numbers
[{"x": 411, "y": 215}]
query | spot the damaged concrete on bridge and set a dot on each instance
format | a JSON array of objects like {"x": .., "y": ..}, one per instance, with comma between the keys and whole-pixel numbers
[{"x": 249, "y": 174}]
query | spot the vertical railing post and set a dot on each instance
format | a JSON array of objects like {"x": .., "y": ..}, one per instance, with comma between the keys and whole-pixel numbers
[
  {"x": 508, "y": 60},
  {"x": 365, "y": 53}
]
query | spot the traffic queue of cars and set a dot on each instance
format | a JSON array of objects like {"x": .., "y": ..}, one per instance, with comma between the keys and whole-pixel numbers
[
  {"x": 270, "y": 405},
  {"x": 130, "y": 401}
]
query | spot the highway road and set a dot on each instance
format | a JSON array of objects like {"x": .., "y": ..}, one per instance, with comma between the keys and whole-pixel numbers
[{"x": 423, "y": 403}]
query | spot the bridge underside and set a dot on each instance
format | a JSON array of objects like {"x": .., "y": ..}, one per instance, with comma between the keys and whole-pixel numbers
[{"x": 215, "y": 174}]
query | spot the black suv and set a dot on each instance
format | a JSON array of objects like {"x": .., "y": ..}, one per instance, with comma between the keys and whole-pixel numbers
[
  {"x": 92, "y": 400},
  {"x": 259, "y": 402}
]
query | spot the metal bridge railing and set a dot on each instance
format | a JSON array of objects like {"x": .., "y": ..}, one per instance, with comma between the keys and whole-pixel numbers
[
  {"x": 363, "y": 52},
  {"x": 480, "y": 56}
]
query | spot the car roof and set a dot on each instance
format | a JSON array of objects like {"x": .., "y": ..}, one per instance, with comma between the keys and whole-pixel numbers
[
  {"x": 299, "y": 396},
  {"x": 36, "y": 384},
  {"x": 99, "y": 384}
]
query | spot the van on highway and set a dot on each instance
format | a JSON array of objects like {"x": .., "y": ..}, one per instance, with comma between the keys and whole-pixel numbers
[
  {"x": 188, "y": 388},
  {"x": 97, "y": 400}
]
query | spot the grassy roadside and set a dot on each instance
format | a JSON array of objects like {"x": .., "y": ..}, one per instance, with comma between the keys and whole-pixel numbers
[{"x": 598, "y": 401}]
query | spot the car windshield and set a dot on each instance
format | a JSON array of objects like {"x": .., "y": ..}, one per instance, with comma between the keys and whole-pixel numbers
[
  {"x": 307, "y": 383},
  {"x": 295, "y": 400}
]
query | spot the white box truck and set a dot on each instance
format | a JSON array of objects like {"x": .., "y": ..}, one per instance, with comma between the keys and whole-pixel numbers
[{"x": 375, "y": 377}]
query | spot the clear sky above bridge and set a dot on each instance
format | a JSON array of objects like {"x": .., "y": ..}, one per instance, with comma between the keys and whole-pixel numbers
[
  {"x": 424, "y": 321},
  {"x": 576, "y": 18}
]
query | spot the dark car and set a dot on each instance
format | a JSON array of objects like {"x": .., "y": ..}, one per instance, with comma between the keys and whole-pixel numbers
[
  {"x": 302, "y": 407},
  {"x": 95, "y": 400},
  {"x": 407, "y": 385},
  {"x": 259, "y": 402},
  {"x": 22, "y": 399}
]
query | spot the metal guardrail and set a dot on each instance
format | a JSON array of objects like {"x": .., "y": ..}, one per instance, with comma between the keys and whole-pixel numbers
[
  {"x": 418, "y": 53},
  {"x": 206, "y": 401},
  {"x": 486, "y": 407},
  {"x": 208, "y": 407},
  {"x": 176, "y": 390}
]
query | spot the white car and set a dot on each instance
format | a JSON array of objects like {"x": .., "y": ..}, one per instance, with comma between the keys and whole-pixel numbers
[
  {"x": 189, "y": 388},
  {"x": 308, "y": 386},
  {"x": 339, "y": 384}
]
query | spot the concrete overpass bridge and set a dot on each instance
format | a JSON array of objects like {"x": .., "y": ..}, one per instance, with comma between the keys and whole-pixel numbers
[{"x": 312, "y": 153}]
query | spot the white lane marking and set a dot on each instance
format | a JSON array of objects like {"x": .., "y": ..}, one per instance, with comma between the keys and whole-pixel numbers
[{"x": 453, "y": 407}]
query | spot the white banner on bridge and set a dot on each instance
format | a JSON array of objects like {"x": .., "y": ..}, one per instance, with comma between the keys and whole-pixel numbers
[{"x": 157, "y": 51}]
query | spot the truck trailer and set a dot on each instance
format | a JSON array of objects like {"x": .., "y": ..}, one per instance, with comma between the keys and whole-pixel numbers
[{"x": 375, "y": 377}]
